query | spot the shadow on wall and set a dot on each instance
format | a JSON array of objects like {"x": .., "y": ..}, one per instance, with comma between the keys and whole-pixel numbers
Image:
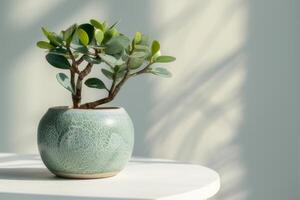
[{"x": 239, "y": 115}]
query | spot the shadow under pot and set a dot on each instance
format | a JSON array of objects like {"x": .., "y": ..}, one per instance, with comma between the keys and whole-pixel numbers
[{"x": 79, "y": 143}]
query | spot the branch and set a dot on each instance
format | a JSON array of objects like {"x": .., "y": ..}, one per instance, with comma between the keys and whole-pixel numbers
[
  {"x": 112, "y": 85},
  {"x": 79, "y": 61},
  {"x": 120, "y": 84},
  {"x": 73, "y": 70},
  {"x": 112, "y": 92},
  {"x": 81, "y": 76}
]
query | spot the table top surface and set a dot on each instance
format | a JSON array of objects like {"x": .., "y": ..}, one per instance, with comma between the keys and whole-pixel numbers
[{"x": 25, "y": 177}]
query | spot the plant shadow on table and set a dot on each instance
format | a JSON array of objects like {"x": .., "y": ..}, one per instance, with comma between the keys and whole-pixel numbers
[
  {"x": 15, "y": 157},
  {"x": 33, "y": 170},
  {"x": 54, "y": 197},
  {"x": 26, "y": 174},
  {"x": 140, "y": 160}
]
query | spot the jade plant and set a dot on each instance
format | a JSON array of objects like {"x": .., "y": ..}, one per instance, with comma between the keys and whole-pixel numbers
[{"x": 79, "y": 48}]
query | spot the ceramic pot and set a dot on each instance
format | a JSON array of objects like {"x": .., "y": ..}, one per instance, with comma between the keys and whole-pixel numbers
[{"x": 79, "y": 143}]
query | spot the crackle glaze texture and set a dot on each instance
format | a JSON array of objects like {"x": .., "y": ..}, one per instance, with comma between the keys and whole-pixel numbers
[{"x": 85, "y": 142}]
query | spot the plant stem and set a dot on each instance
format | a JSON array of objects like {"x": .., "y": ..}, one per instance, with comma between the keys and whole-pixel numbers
[
  {"x": 111, "y": 94},
  {"x": 112, "y": 85},
  {"x": 73, "y": 71},
  {"x": 79, "y": 61},
  {"x": 80, "y": 78}
]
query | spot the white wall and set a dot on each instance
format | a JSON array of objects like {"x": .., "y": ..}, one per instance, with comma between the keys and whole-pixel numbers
[{"x": 232, "y": 105}]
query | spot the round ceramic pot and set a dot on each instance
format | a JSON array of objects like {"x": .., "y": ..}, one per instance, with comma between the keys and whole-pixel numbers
[{"x": 78, "y": 143}]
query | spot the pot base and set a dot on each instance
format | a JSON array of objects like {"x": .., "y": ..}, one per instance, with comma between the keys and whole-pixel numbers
[{"x": 85, "y": 176}]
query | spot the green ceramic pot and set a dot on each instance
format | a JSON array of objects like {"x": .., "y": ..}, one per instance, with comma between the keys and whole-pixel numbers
[{"x": 78, "y": 143}]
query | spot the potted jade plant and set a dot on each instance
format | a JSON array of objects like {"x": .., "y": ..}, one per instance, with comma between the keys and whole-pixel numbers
[{"x": 89, "y": 140}]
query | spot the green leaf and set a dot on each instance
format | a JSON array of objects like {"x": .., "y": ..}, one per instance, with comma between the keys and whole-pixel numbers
[
  {"x": 81, "y": 49},
  {"x": 68, "y": 34},
  {"x": 56, "y": 40},
  {"x": 58, "y": 61},
  {"x": 89, "y": 29},
  {"x": 107, "y": 37},
  {"x": 120, "y": 73},
  {"x": 135, "y": 62},
  {"x": 52, "y": 37},
  {"x": 99, "y": 35},
  {"x": 119, "y": 68},
  {"x": 161, "y": 72},
  {"x": 112, "y": 26},
  {"x": 155, "y": 47},
  {"x": 138, "y": 54},
  {"x": 97, "y": 24},
  {"x": 165, "y": 59},
  {"x": 104, "y": 24},
  {"x": 65, "y": 82},
  {"x": 123, "y": 55},
  {"x": 60, "y": 51},
  {"x": 117, "y": 45},
  {"x": 111, "y": 60},
  {"x": 95, "y": 83},
  {"x": 44, "y": 45},
  {"x": 141, "y": 47},
  {"x": 136, "y": 59},
  {"x": 98, "y": 47},
  {"x": 156, "y": 55},
  {"x": 92, "y": 60},
  {"x": 137, "y": 37},
  {"x": 144, "y": 49},
  {"x": 46, "y": 33},
  {"x": 113, "y": 32},
  {"x": 109, "y": 34},
  {"x": 83, "y": 36},
  {"x": 107, "y": 73}
]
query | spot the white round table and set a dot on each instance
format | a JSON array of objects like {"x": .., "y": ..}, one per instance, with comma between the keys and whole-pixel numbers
[{"x": 25, "y": 177}]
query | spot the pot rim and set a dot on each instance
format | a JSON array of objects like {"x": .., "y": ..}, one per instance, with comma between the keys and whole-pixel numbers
[{"x": 107, "y": 108}]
